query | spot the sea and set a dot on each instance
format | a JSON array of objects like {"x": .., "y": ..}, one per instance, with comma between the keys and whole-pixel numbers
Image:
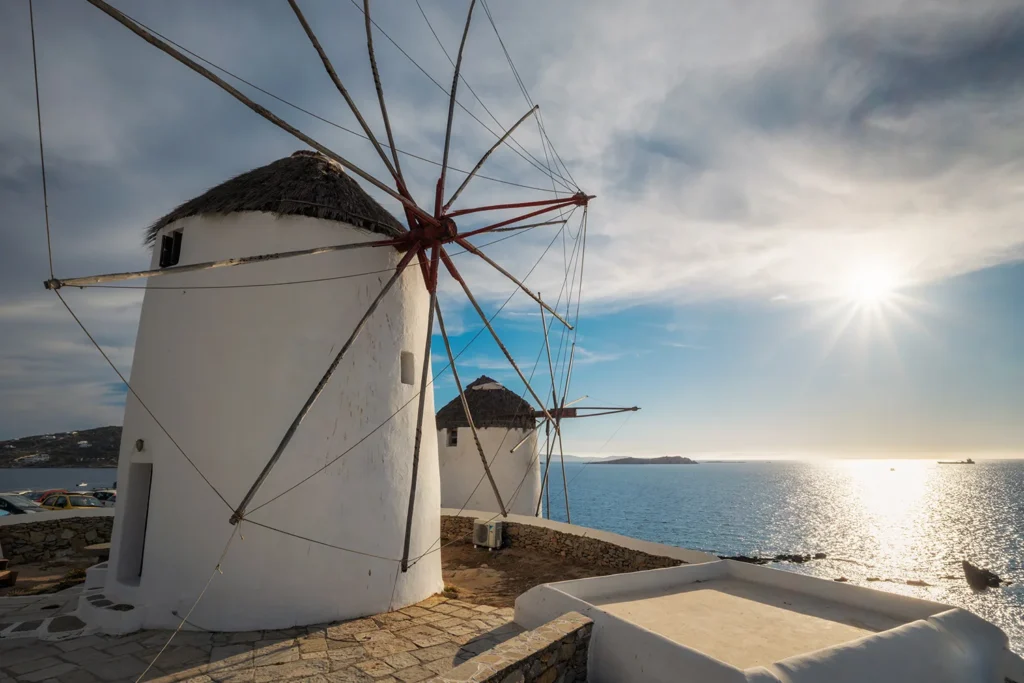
[
  {"x": 40, "y": 478},
  {"x": 894, "y": 520}
]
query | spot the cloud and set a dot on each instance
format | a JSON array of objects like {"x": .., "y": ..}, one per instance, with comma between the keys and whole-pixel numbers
[
  {"x": 843, "y": 145},
  {"x": 733, "y": 155},
  {"x": 52, "y": 376},
  {"x": 496, "y": 364},
  {"x": 585, "y": 356}
]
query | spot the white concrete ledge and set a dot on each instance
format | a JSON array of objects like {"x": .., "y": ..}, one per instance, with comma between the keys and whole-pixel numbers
[
  {"x": 658, "y": 549},
  {"x": 54, "y": 515},
  {"x": 751, "y": 624}
]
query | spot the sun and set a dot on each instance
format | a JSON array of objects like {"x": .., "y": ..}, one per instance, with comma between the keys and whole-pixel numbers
[
  {"x": 869, "y": 300},
  {"x": 872, "y": 286}
]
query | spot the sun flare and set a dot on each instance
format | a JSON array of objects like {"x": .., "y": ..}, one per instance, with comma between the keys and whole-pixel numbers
[
  {"x": 870, "y": 300},
  {"x": 872, "y": 286}
]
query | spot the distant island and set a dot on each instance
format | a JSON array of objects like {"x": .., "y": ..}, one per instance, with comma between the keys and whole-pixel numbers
[
  {"x": 664, "y": 460},
  {"x": 85, "y": 448}
]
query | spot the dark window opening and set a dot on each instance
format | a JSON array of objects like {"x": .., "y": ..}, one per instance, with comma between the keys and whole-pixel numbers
[
  {"x": 136, "y": 520},
  {"x": 170, "y": 249},
  {"x": 408, "y": 367},
  {"x": 453, "y": 437}
]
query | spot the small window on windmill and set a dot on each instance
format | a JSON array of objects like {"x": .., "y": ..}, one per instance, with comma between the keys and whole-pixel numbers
[
  {"x": 408, "y": 368},
  {"x": 170, "y": 249},
  {"x": 453, "y": 437}
]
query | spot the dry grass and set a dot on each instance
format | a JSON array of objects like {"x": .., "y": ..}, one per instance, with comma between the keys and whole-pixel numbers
[
  {"x": 38, "y": 578},
  {"x": 498, "y": 577}
]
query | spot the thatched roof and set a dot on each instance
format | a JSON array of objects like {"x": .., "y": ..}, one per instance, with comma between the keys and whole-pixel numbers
[
  {"x": 304, "y": 184},
  {"x": 491, "y": 404}
]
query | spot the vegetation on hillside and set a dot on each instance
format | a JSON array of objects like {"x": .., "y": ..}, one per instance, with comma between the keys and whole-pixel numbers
[{"x": 86, "y": 448}]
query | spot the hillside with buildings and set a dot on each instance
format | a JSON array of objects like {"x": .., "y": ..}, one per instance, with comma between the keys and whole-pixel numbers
[{"x": 86, "y": 448}]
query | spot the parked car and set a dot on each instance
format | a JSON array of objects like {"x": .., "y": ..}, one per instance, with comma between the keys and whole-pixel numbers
[
  {"x": 71, "y": 501},
  {"x": 40, "y": 496},
  {"x": 107, "y": 497},
  {"x": 18, "y": 505}
]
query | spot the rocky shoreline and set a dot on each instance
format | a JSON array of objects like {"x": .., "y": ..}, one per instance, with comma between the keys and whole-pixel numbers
[
  {"x": 795, "y": 558},
  {"x": 978, "y": 579}
]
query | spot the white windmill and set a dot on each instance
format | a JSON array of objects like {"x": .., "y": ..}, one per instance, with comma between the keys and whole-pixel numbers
[
  {"x": 235, "y": 373},
  {"x": 476, "y": 424}
]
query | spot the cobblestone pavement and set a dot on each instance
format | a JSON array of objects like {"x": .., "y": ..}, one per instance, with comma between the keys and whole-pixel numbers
[
  {"x": 409, "y": 645},
  {"x": 25, "y": 607}
]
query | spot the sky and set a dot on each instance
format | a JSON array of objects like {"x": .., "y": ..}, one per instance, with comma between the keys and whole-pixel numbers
[{"x": 806, "y": 239}]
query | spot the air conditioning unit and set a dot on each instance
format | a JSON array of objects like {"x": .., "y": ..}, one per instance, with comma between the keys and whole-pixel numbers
[{"x": 487, "y": 534}]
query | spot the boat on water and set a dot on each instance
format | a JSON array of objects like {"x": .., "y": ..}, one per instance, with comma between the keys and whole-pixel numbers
[
  {"x": 968, "y": 461},
  {"x": 82, "y": 484}
]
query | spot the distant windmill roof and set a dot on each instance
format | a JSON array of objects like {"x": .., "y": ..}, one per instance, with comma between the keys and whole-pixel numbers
[
  {"x": 491, "y": 404},
  {"x": 304, "y": 184}
]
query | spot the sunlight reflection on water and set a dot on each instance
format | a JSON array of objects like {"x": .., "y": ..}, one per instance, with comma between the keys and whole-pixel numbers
[{"x": 889, "y": 519}]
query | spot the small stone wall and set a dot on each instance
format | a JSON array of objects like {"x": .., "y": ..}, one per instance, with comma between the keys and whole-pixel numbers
[
  {"x": 53, "y": 538},
  {"x": 556, "y": 651},
  {"x": 582, "y": 549}
]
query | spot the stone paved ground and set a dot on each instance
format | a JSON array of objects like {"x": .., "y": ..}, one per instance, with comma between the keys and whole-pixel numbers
[
  {"x": 25, "y": 607},
  {"x": 409, "y": 645}
]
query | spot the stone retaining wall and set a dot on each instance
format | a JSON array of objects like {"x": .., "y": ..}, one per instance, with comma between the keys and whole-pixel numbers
[
  {"x": 59, "y": 536},
  {"x": 556, "y": 651},
  {"x": 589, "y": 551}
]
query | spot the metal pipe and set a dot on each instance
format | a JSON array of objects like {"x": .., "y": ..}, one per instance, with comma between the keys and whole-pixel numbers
[
  {"x": 495, "y": 226},
  {"x": 451, "y": 108},
  {"x": 527, "y": 225},
  {"x": 497, "y": 340},
  {"x": 479, "y": 164},
  {"x": 547, "y": 348},
  {"x": 526, "y": 290},
  {"x": 56, "y": 283},
  {"x": 579, "y": 198},
  {"x": 558, "y": 431},
  {"x": 618, "y": 408},
  {"x": 547, "y": 438},
  {"x": 380, "y": 95},
  {"x": 344, "y": 93},
  {"x": 469, "y": 414},
  {"x": 262, "y": 111},
  {"x": 424, "y": 379},
  {"x": 607, "y": 412},
  {"x": 545, "y": 491},
  {"x": 348, "y": 99},
  {"x": 565, "y": 483},
  {"x": 525, "y": 438}
]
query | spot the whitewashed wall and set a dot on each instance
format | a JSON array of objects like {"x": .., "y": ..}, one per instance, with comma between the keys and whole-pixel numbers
[
  {"x": 934, "y": 643},
  {"x": 461, "y": 470},
  {"x": 225, "y": 371}
]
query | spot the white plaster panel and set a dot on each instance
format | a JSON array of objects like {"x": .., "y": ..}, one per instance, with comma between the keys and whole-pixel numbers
[{"x": 225, "y": 371}]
